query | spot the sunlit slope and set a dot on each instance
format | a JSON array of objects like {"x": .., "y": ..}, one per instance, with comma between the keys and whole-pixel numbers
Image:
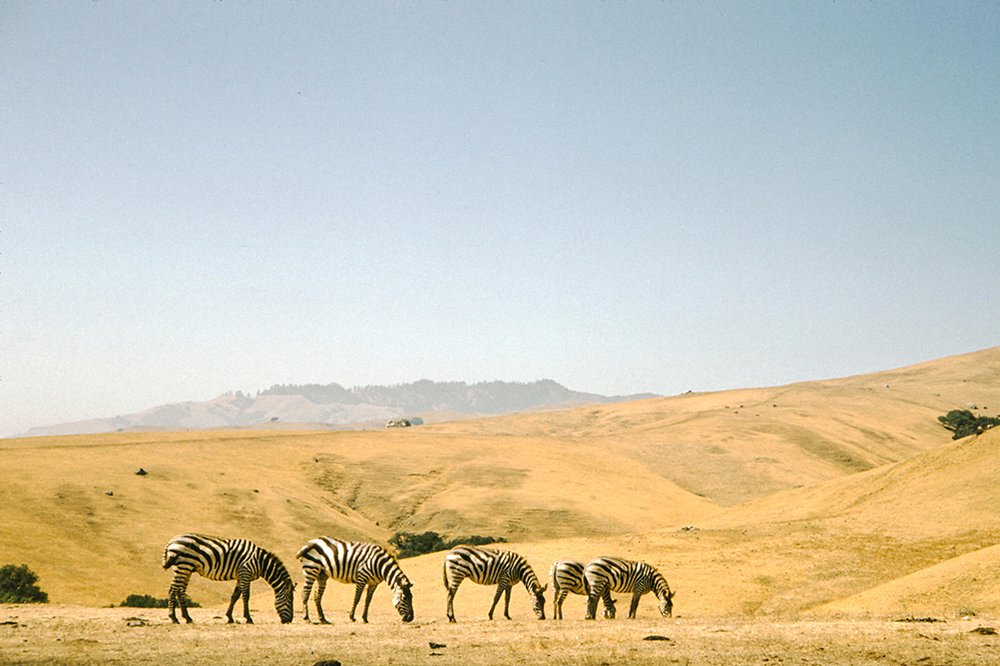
[
  {"x": 911, "y": 537},
  {"x": 958, "y": 586},
  {"x": 76, "y": 512},
  {"x": 733, "y": 446}
]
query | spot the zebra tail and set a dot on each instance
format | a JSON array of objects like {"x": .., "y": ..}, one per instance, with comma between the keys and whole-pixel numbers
[
  {"x": 169, "y": 559},
  {"x": 444, "y": 570}
]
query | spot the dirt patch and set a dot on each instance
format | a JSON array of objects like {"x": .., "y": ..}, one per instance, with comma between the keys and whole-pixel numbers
[{"x": 78, "y": 635}]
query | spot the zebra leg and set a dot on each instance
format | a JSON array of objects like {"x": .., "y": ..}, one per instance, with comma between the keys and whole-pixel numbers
[
  {"x": 506, "y": 603},
  {"x": 634, "y": 605},
  {"x": 609, "y": 605},
  {"x": 320, "y": 589},
  {"x": 178, "y": 595},
  {"x": 596, "y": 592},
  {"x": 496, "y": 598},
  {"x": 452, "y": 589},
  {"x": 245, "y": 589},
  {"x": 557, "y": 601},
  {"x": 368, "y": 601},
  {"x": 357, "y": 597},
  {"x": 232, "y": 603},
  {"x": 307, "y": 585}
]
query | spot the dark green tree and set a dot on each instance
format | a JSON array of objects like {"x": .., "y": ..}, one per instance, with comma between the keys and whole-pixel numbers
[
  {"x": 963, "y": 423},
  {"x": 17, "y": 586}
]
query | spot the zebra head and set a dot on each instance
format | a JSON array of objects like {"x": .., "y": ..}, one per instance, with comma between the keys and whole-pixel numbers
[
  {"x": 284, "y": 600},
  {"x": 667, "y": 603},
  {"x": 609, "y": 609},
  {"x": 402, "y": 599},
  {"x": 538, "y": 601}
]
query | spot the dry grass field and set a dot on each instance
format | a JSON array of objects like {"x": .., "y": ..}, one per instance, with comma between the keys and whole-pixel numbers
[{"x": 796, "y": 523}]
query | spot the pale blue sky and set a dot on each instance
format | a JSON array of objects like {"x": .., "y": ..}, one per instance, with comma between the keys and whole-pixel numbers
[{"x": 644, "y": 196}]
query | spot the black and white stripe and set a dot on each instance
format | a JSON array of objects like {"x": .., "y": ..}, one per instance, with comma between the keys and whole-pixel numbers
[
  {"x": 363, "y": 564},
  {"x": 567, "y": 576},
  {"x": 492, "y": 567},
  {"x": 226, "y": 559},
  {"x": 620, "y": 575}
]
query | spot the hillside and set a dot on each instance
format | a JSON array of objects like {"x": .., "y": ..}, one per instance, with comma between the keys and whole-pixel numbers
[
  {"x": 840, "y": 496},
  {"x": 333, "y": 406},
  {"x": 733, "y": 446}
]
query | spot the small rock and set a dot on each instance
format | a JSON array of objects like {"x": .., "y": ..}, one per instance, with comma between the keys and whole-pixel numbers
[
  {"x": 141, "y": 472},
  {"x": 984, "y": 631},
  {"x": 109, "y": 493},
  {"x": 435, "y": 646},
  {"x": 327, "y": 662},
  {"x": 655, "y": 637}
]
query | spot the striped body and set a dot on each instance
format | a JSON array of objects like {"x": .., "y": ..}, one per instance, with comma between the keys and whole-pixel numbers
[
  {"x": 567, "y": 576},
  {"x": 361, "y": 564},
  {"x": 492, "y": 567},
  {"x": 618, "y": 575},
  {"x": 226, "y": 559}
]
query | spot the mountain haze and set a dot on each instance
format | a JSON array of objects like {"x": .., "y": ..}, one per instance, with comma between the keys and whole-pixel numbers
[{"x": 332, "y": 405}]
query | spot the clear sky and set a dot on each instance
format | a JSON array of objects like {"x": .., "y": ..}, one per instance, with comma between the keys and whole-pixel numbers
[{"x": 198, "y": 197}]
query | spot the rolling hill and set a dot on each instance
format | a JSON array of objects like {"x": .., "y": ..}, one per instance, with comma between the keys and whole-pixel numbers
[{"x": 839, "y": 496}]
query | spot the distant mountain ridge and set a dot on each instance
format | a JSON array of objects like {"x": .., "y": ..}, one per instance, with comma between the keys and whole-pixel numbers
[{"x": 332, "y": 405}]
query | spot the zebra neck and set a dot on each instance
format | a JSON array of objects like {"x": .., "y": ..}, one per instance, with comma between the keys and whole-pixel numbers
[
  {"x": 394, "y": 576},
  {"x": 274, "y": 571},
  {"x": 529, "y": 578},
  {"x": 660, "y": 586}
]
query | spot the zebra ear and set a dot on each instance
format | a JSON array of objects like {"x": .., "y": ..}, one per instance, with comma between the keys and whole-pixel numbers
[{"x": 544, "y": 587}]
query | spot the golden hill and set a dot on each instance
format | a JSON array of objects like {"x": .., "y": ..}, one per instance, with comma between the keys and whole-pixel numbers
[{"x": 835, "y": 490}]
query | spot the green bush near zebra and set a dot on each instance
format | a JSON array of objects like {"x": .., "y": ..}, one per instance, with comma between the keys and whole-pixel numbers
[
  {"x": 410, "y": 544},
  {"x": 17, "y": 586},
  {"x": 149, "y": 601}
]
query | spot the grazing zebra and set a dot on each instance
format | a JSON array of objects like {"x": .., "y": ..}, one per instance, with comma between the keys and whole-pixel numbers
[
  {"x": 488, "y": 567},
  {"x": 614, "y": 573},
  {"x": 226, "y": 559},
  {"x": 567, "y": 576},
  {"x": 364, "y": 564}
]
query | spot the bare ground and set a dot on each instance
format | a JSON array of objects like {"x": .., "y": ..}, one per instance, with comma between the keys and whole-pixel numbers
[{"x": 46, "y": 634}]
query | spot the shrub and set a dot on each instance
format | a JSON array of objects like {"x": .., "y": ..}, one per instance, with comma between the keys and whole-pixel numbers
[
  {"x": 147, "y": 601},
  {"x": 409, "y": 544},
  {"x": 17, "y": 586},
  {"x": 963, "y": 423}
]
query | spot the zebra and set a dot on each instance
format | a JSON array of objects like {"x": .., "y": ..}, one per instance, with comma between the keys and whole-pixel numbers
[
  {"x": 488, "y": 567},
  {"x": 619, "y": 575},
  {"x": 226, "y": 559},
  {"x": 364, "y": 564},
  {"x": 567, "y": 576}
]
